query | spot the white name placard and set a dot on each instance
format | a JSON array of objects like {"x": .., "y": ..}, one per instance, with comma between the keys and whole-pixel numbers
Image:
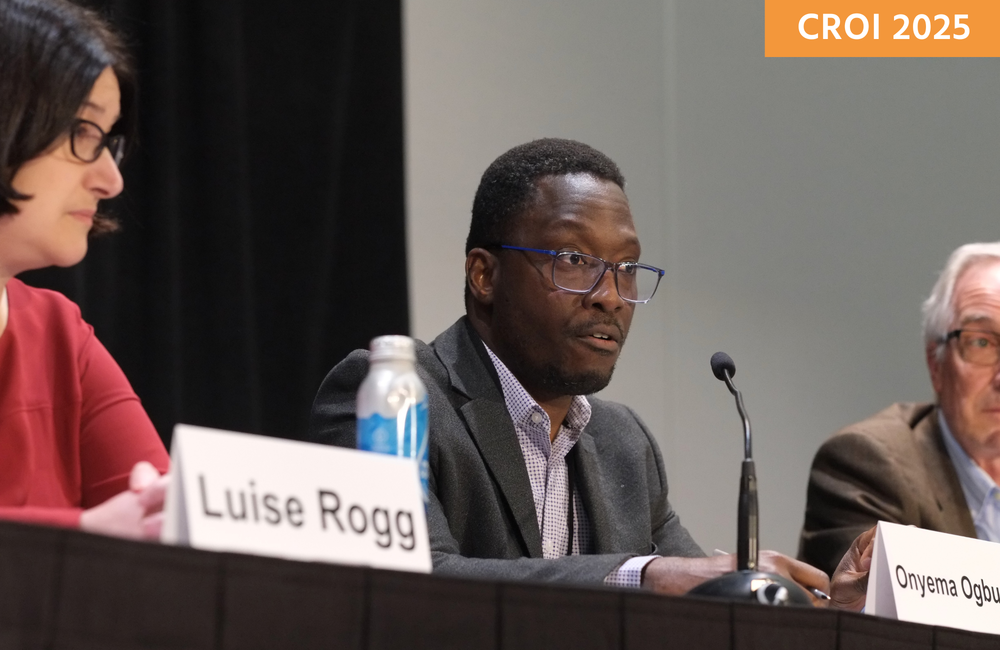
[
  {"x": 266, "y": 496},
  {"x": 934, "y": 578}
]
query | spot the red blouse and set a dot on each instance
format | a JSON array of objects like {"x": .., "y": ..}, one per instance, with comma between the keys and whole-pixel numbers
[{"x": 71, "y": 427}]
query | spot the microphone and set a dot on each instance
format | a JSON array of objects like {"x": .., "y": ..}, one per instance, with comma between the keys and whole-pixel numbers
[
  {"x": 722, "y": 364},
  {"x": 747, "y": 526},
  {"x": 747, "y": 583}
]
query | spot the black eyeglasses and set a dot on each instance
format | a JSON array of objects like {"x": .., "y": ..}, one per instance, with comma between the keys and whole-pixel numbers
[
  {"x": 580, "y": 273},
  {"x": 978, "y": 347},
  {"x": 87, "y": 141}
]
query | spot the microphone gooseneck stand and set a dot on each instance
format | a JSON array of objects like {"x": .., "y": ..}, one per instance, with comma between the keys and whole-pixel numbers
[{"x": 747, "y": 583}]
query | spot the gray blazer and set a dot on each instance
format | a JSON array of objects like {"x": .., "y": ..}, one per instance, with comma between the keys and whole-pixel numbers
[
  {"x": 891, "y": 467},
  {"x": 481, "y": 515}
]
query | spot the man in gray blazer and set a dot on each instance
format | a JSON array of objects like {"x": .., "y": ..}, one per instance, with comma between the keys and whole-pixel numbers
[
  {"x": 926, "y": 465},
  {"x": 530, "y": 479}
]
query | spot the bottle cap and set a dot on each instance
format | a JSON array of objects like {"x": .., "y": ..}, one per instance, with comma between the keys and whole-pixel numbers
[{"x": 392, "y": 348}]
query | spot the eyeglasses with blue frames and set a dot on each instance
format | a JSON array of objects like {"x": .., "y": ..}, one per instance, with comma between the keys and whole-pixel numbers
[
  {"x": 87, "y": 141},
  {"x": 579, "y": 273}
]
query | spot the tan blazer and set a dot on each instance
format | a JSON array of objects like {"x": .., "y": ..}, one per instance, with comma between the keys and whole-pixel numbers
[{"x": 891, "y": 467}]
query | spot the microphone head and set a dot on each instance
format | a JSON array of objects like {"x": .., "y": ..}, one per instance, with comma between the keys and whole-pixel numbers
[{"x": 721, "y": 362}]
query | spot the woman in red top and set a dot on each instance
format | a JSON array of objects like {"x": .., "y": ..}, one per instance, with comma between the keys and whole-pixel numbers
[{"x": 76, "y": 447}]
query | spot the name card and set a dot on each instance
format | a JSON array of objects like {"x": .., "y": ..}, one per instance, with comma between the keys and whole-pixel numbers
[
  {"x": 267, "y": 496},
  {"x": 934, "y": 578}
]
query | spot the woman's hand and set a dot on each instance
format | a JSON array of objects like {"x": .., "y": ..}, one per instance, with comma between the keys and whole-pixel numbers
[{"x": 136, "y": 513}]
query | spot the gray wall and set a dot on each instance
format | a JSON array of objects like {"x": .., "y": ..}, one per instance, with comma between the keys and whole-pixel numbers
[{"x": 802, "y": 209}]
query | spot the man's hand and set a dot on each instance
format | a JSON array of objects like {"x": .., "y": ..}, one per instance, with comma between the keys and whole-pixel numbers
[
  {"x": 805, "y": 575},
  {"x": 136, "y": 513},
  {"x": 677, "y": 575},
  {"x": 850, "y": 580}
]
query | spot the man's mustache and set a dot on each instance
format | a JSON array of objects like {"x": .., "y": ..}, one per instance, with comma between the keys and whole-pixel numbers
[{"x": 595, "y": 323}]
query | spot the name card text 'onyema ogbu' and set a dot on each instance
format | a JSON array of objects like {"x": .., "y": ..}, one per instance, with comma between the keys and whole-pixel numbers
[{"x": 929, "y": 577}]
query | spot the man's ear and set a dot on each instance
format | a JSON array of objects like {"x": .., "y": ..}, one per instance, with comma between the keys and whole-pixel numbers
[
  {"x": 934, "y": 367},
  {"x": 481, "y": 268}
]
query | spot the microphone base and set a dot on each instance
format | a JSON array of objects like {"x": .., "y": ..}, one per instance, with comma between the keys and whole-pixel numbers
[{"x": 754, "y": 587}]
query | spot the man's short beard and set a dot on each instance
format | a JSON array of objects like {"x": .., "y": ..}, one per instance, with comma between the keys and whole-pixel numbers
[
  {"x": 545, "y": 377},
  {"x": 555, "y": 381}
]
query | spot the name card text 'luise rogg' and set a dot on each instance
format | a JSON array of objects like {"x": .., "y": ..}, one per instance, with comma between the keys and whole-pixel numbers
[
  {"x": 929, "y": 577},
  {"x": 266, "y": 496}
]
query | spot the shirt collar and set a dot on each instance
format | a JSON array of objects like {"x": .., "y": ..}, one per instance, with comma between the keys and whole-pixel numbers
[
  {"x": 521, "y": 405},
  {"x": 976, "y": 483}
]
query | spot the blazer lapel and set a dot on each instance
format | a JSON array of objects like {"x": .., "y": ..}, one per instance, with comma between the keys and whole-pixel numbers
[
  {"x": 590, "y": 482},
  {"x": 947, "y": 491},
  {"x": 472, "y": 374},
  {"x": 491, "y": 428}
]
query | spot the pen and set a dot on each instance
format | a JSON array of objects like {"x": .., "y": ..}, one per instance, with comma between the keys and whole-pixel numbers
[{"x": 819, "y": 594}]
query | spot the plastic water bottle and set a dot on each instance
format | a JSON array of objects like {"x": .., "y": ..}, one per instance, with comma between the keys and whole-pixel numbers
[{"x": 392, "y": 404}]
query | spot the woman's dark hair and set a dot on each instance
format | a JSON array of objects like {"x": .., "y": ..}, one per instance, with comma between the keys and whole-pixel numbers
[{"x": 51, "y": 53}]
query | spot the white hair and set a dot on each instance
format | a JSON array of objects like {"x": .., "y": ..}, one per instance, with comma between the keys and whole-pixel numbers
[{"x": 939, "y": 312}]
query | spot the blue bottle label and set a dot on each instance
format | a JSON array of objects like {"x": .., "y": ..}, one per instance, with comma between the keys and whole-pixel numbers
[{"x": 404, "y": 435}]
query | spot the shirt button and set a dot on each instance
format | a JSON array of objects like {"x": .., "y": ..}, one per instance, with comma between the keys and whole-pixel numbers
[{"x": 536, "y": 417}]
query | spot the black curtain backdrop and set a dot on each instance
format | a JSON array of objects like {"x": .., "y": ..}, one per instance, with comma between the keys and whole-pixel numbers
[{"x": 263, "y": 216}]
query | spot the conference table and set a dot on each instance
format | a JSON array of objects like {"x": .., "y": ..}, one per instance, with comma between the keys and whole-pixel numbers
[{"x": 68, "y": 589}]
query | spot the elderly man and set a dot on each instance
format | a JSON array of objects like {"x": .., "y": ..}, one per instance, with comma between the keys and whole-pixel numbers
[
  {"x": 530, "y": 478},
  {"x": 935, "y": 466}
]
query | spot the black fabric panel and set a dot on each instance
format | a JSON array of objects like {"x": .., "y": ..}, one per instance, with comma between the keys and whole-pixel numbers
[
  {"x": 114, "y": 594},
  {"x": 776, "y": 628},
  {"x": 949, "y": 639},
  {"x": 276, "y": 604},
  {"x": 263, "y": 217},
  {"x": 863, "y": 632},
  {"x": 71, "y": 590},
  {"x": 410, "y": 611},
  {"x": 29, "y": 572},
  {"x": 543, "y": 617},
  {"x": 663, "y": 623}
]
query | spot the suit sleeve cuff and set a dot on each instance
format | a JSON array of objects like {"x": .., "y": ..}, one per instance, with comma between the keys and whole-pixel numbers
[{"x": 629, "y": 574}]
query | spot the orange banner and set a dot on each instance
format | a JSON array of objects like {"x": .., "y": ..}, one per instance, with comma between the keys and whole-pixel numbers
[{"x": 881, "y": 28}]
